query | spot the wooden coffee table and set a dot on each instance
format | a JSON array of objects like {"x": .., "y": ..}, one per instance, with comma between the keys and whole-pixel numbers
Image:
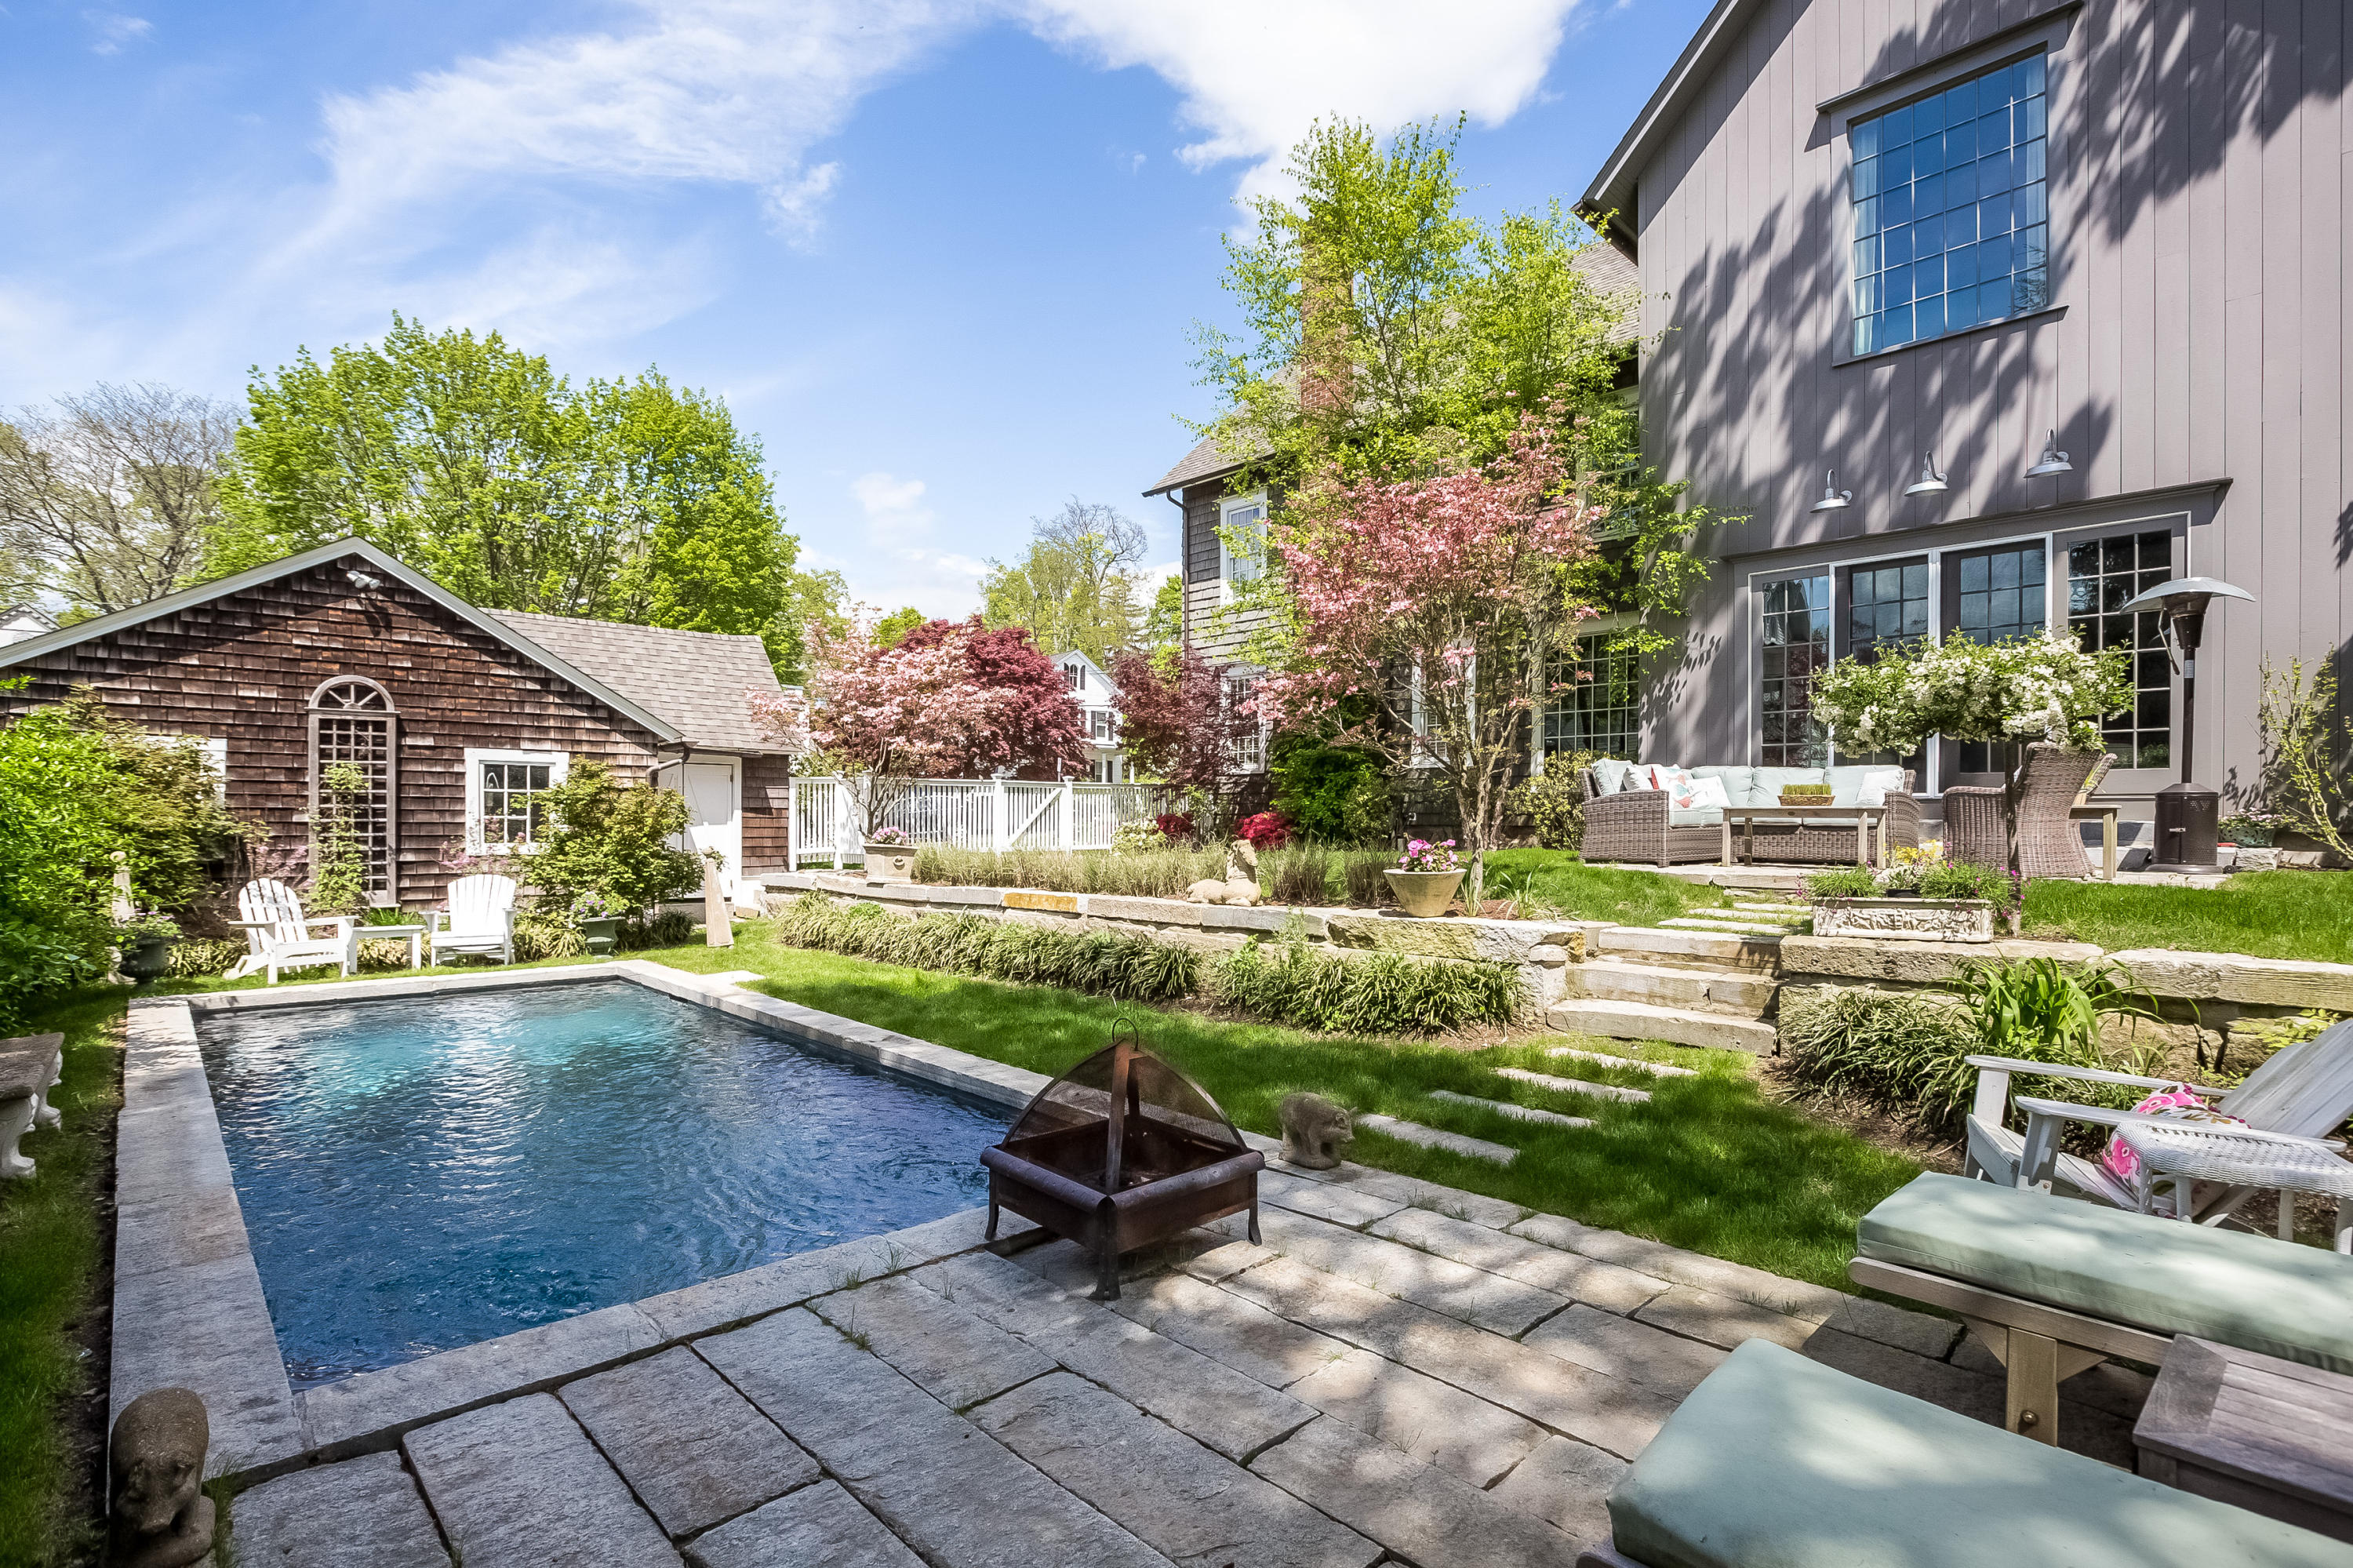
[
  {"x": 2271, "y": 1437},
  {"x": 1864, "y": 818}
]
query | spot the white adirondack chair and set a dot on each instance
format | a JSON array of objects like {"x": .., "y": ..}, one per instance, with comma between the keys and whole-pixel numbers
[
  {"x": 2303, "y": 1093},
  {"x": 279, "y": 935},
  {"x": 479, "y": 918}
]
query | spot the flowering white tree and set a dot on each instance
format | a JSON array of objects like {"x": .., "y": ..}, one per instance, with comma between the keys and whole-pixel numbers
[
  {"x": 1435, "y": 603},
  {"x": 883, "y": 717},
  {"x": 2046, "y": 686}
]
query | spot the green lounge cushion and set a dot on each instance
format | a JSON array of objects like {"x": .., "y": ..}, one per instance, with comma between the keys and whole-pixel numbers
[
  {"x": 1776, "y": 1461},
  {"x": 2255, "y": 1292}
]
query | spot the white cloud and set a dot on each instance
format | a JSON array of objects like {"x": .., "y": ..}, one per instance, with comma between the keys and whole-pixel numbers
[
  {"x": 1255, "y": 75},
  {"x": 114, "y": 30},
  {"x": 900, "y": 564}
]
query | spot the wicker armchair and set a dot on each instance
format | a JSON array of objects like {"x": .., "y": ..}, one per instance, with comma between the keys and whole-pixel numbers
[
  {"x": 1977, "y": 817},
  {"x": 1631, "y": 826}
]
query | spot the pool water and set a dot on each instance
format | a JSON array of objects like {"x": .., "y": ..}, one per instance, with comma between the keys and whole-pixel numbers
[{"x": 423, "y": 1173}]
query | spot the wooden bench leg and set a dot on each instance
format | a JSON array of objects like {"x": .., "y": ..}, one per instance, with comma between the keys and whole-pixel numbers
[{"x": 2031, "y": 1405}]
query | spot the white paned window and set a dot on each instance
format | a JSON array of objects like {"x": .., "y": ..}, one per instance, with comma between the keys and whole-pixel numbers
[
  {"x": 1241, "y": 520},
  {"x": 502, "y": 810}
]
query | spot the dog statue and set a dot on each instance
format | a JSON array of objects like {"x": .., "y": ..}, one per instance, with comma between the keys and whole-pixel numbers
[
  {"x": 161, "y": 1516},
  {"x": 1239, "y": 889},
  {"x": 1314, "y": 1130}
]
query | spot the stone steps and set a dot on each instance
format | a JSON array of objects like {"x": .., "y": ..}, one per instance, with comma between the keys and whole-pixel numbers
[
  {"x": 1437, "y": 1138},
  {"x": 1740, "y": 992},
  {"x": 1505, "y": 1108},
  {"x": 1797, "y": 911},
  {"x": 1576, "y": 1087},
  {"x": 1734, "y": 927},
  {"x": 1656, "y": 1069},
  {"x": 1677, "y": 1026},
  {"x": 1686, "y": 949}
]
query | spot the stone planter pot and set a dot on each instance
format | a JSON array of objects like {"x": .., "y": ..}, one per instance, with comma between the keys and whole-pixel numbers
[
  {"x": 146, "y": 958},
  {"x": 1424, "y": 893},
  {"x": 599, "y": 934},
  {"x": 1913, "y": 919},
  {"x": 889, "y": 863}
]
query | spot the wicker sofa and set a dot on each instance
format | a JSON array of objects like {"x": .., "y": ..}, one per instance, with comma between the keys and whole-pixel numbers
[{"x": 1637, "y": 826}]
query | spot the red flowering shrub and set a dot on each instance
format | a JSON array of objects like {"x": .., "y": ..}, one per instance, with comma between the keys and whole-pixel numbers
[
  {"x": 1176, "y": 827},
  {"x": 1267, "y": 830}
]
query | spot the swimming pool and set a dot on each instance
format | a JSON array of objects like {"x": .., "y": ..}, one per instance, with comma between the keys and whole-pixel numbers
[{"x": 421, "y": 1173}]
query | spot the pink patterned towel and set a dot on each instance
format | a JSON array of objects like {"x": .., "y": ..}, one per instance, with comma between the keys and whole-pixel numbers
[{"x": 2176, "y": 1103}]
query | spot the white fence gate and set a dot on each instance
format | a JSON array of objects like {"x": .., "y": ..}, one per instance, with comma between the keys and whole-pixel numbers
[{"x": 967, "y": 813}]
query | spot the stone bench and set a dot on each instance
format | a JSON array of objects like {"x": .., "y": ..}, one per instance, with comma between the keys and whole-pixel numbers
[
  {"x": 1777, "y": 1459},
  {"x": 28, "y": 1065}
]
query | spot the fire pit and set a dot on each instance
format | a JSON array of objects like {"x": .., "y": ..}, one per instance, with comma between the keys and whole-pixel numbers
[{"x": 1120, "y": 1151}]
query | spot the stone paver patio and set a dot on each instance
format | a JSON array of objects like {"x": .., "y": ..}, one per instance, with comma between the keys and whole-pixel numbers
[{"x": 1400, "y": 1373}]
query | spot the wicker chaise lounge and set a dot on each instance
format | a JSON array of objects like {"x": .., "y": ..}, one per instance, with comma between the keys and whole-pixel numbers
[{"x": 1641, "y": 826}]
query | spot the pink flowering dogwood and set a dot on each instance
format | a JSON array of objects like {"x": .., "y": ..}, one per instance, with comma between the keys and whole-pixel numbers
[
  {"x": 1438, "y": 602},
  {"x": 883, "y": 717}
]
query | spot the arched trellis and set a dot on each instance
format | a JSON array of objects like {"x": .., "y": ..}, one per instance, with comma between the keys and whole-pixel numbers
[{"x": 353, "y": 721}]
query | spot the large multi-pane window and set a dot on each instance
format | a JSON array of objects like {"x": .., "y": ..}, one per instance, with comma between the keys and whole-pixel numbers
[
  {"x": 1594, "y": 704},
  {"x": 1796, "y": 636},
  {"x": 1951, "y": 219},
  {"x": 1999, "y": 595},
  {"x": 2101, "y": 577}
]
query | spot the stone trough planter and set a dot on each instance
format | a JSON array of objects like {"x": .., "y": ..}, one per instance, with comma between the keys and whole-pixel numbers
[
  {"x": 1906, "y": 919},
  {"x": 889, "y": 863}
]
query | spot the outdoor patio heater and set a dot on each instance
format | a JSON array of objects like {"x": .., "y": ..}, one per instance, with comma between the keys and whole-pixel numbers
[
  {"x": 2188, "y": 814},
  {"x": 1121, "y": 1151}
]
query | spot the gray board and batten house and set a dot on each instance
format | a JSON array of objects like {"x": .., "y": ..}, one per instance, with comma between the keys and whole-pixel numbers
[
  {"x": 1867, "y": 231},
  {"x": 454, "y": 716}
]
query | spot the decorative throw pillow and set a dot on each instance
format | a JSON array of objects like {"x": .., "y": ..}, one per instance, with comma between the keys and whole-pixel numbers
[
  {"x": 1667, "y": 777},
  {"x": 1877, "y": 783},
  {"x": 2176, "y": 1103},
  {"x": 1610, "y": 774},
  {"x": 1705, "y": 794}
]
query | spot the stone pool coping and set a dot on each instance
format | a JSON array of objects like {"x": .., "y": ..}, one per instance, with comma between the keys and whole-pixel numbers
[{"x": 189, "y": 1310}]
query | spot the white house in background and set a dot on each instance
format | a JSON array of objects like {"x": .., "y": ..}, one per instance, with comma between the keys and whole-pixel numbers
[
  {"x": 19, "y": 621},
  {"x": 1097, "y": 703}
]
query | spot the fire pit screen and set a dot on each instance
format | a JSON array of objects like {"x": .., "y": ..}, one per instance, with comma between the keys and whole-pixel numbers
[{"x": 1120, "y": 1151}]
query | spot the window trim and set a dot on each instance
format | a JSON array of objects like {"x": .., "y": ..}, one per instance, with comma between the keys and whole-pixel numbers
[
  {"x": 2180, "y": 514},
  {"x": 2049, "y": 34},
  {"x": 1227, "y": 559},
  {"x": 559, "y": 767}
]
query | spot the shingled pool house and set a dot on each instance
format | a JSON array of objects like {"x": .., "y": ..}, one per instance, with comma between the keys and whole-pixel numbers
[{"x": 456, "y": 714}]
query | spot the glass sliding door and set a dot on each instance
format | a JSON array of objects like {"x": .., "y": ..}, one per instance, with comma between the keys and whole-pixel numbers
[
  {"x": 1884, "y": 606},
  {"x": 1794, "y": 646},
  {"x": 1993, "y": 596},
  {"x": 2102, "y": 575}
]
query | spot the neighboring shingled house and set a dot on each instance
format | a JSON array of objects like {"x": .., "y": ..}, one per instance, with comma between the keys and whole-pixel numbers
[{"x": 458, "y": 716}]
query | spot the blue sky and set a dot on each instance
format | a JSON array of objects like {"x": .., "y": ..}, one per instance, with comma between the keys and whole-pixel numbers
[{"x": 941, "y": 256}]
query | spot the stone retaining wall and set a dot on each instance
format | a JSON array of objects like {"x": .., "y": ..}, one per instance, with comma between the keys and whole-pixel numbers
[
  {"x": 2224, "y": 1007},
  {"x": 1540, "y": 950}
]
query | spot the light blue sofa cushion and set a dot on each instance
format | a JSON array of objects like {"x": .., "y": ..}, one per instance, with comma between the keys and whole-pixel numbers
[
  {"x": 1776, "y": 1461},
  {"x": 2252, "y": 1291},
  {"x": 1739, "y": 783},
  {"x": 1770, "y": 780},
  {"x": 1846, "y": 783},
  {"x": 1609, "y": 775}
]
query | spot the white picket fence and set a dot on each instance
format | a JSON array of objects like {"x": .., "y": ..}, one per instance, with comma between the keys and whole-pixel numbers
[{"x": 968, "y": 814}]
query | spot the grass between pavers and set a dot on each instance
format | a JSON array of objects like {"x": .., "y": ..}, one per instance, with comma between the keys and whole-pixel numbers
[
  {"x": 1709, "y": 1164},
  {"x": 50, "y": 1263},
  {"x": 1559, "y": 879},
  {"x": 2264, "y": 914}
]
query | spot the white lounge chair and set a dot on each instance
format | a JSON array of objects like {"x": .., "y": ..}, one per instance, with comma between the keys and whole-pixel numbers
[
  {"x": 479, "y": 918},
  {"x": 279, "y": 935},
  {"x": 2303, "y": 1093}
]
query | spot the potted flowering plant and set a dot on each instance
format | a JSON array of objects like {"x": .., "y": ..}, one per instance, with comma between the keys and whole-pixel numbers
[
  {"x": 890, "y": 856},
  {"x": 146, "y": 947},
  {"x": 1425, "y": 877},
  {"x": 598, "y": 916}
]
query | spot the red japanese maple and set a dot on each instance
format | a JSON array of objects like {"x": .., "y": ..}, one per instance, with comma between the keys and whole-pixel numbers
[{"x": 1033, "y": 729}]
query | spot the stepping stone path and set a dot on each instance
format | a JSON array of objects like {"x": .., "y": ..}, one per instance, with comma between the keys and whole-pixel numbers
[
  {"x": 1656, "y": 1069},
  {"x": 1434, "y": 1138},
  {"x": 1505, "y": 1108},
  {"x": 1728, "y": 925},
  {"x": 1574, "y": 1087}
]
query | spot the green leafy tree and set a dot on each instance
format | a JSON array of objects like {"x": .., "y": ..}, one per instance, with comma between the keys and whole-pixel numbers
[
  {"x": 893, "y": 629},
  {"x": 1389, "y": 334},
  {"x": 624, "y": 500},
  {"x": 1076, "y": 586},
  {"x": 605, "y": 837},
  {"x": 1164, "y": 623}
]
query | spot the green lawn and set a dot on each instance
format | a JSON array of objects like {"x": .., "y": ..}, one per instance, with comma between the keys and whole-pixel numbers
[
  {"x": 49, "y": 1258},
  {"x": 1709, "y": 1164},
  {"x": 1559, "y": 880},
  {"x": 2265, "y": 914}
]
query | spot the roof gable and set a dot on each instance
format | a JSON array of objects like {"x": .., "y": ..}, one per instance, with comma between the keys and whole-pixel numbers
[
  {"x": 698, "y": 681},
  {"x": 327, "y": 555}
]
